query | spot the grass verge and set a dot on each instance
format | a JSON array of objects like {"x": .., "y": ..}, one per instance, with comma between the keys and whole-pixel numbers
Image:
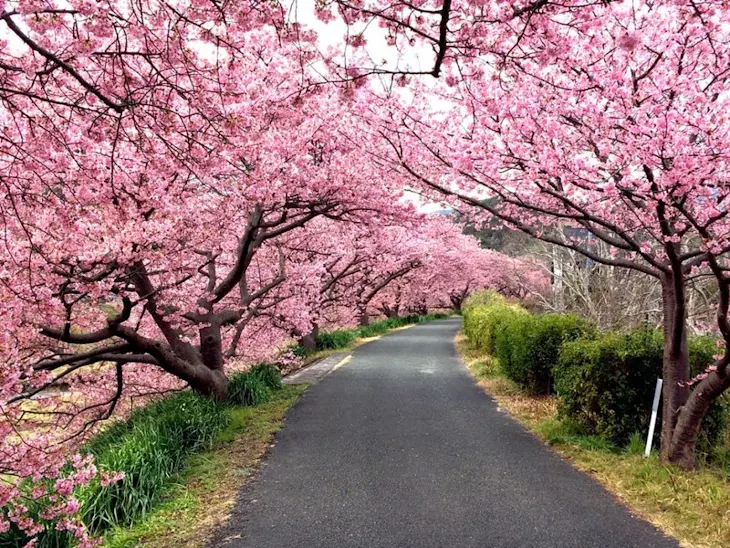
[
  {"x": 202, "y": 497},
  {"x": 693, "y": 507}
]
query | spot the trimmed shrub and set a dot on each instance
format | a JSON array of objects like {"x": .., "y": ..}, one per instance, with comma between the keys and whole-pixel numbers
[
  {"x": 481, "y": 299},
  {"x": 150, "y": 447},
  {"x": 481, "y": 323},
  {"x": 528, "y": 347},
  {"x": 607, "y": 384},
  {"x": 248, "y": 388}
]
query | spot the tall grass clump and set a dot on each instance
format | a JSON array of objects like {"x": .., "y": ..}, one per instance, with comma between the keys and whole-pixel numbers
[
  {"x": 248, "y": 389},
  {"x": 383, "y": 326},
  {"x": 268, "y": 374},
  {"x": 334, "y": 340},
  {"x": 150, "y": 447}
]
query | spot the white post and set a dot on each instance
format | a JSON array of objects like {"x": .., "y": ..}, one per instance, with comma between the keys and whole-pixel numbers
[{"x": 652, "y": 422}]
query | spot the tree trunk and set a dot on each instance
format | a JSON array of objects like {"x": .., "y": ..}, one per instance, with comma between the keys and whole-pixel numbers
[
  {"x": 212, "y": 383},
  {"x": 456, "y": 302},
  {"x": 687, "y": 428},
  {"x": 675, "y": 367},
  {"x": 309, "y": 341},
  {"x": 558, "y": 292}
]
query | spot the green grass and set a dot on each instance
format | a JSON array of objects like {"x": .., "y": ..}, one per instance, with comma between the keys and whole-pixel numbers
[
  {"x": 150, "y": 447},
  {"x": 167, "y": 444},
  {"x": 694, "y": 507},
  {"x": 200, "y": 498},
  {"x": 334, "y": 340}
]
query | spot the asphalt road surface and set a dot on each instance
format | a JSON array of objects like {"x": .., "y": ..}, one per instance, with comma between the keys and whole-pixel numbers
[{"x": 400, "y": 448}]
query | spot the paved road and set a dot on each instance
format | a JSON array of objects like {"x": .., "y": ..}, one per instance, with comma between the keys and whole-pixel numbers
[{"x": 399, "y": 448}]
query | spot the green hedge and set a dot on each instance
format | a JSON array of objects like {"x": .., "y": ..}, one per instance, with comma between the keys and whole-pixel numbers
[
  {"x": 483, "y": 299},
  {"x": 607, "y": 384},
  {"x": 528, "y": 347},
  {"x": 482, "y": 323}
]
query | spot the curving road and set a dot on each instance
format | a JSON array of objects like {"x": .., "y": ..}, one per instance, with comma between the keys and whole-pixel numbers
[{"x": 400, "y": 448}]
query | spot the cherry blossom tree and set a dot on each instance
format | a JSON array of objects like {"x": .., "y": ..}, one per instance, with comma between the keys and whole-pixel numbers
[
  {"x": 153, "y": 156},
  {"x": 609, "y": 126},
  {"x": 402, "y": 263},
  {"x": 323, "y": 260},
  {"x": 453, "y": 266}
]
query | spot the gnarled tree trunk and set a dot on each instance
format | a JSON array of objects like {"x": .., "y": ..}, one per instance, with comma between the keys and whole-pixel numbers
[
  {"x": 687, "y": 427},
  {"x": 214, "y": 385}
]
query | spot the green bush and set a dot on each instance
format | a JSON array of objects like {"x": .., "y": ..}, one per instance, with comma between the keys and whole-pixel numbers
[
  {"x": 528, "y": 347},
  {"x": 481, "y": 323},
  {"x": 607, "y": 384},
  {"x": 483, "y": 299},
  {"x": 150, "y": 447},
  {"x": 248, "y": 388}
]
